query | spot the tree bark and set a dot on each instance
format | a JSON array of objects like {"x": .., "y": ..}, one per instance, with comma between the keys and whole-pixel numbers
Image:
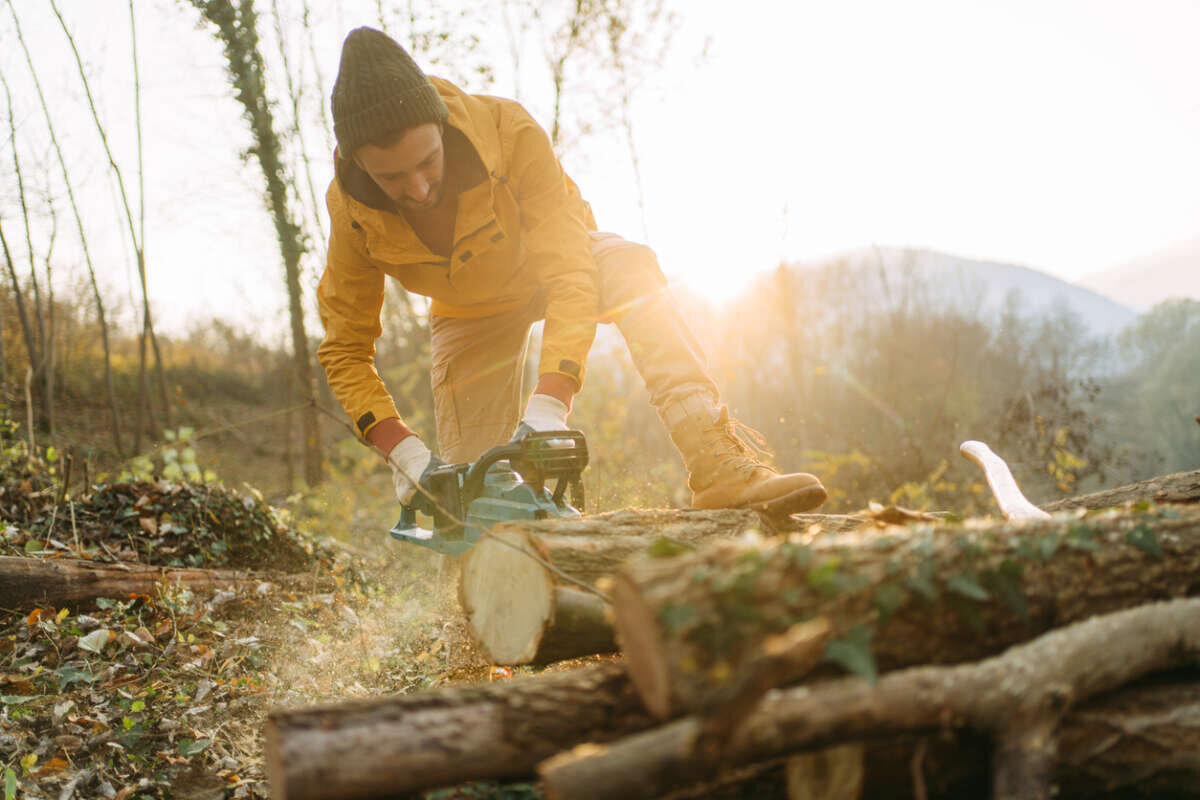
[
  {"x": 25, "y": 582},
  {"x": 534, "y": 610},
  {"x": 895, "y": 596},
  {"x": 237, "y": 30},
  {"x": 1037, "y": 681},
  {"x": 386, "y": 747},
  {"x": 1180, "y": 487}
]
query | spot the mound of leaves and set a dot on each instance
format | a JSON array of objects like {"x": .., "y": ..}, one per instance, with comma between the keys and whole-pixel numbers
[{"x": 171, "y": 524}]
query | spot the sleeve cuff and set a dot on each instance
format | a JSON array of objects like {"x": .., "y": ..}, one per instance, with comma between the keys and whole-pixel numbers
[
  {"x": 372, "y": 415},
  {"x": 558, "y": 385}
]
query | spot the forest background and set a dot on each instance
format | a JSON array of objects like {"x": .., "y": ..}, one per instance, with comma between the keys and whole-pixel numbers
[{"x": 869, "y": 381}]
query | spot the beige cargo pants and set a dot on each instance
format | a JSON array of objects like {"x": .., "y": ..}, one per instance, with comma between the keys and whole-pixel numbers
[{"x": 478, "y": 363}]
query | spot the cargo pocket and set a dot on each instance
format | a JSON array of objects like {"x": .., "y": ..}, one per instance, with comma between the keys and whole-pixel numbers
[{"x": 445, "y": 409}]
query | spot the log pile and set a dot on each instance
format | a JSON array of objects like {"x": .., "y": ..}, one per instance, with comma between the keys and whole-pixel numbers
[{"x": 1055, "y": 657}]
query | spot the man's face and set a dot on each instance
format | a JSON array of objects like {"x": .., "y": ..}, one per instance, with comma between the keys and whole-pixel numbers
[{"x": 410, "y": 171}]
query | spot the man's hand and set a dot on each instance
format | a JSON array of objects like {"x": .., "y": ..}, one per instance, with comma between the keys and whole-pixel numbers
[
  {"x": 543, "y": 413},
  {"x": 411, "y": 462},
  {"x": 546, "y": 413}
]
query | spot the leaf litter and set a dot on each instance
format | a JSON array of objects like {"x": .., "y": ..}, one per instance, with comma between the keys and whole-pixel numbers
[{"x": 165, "y": 695}]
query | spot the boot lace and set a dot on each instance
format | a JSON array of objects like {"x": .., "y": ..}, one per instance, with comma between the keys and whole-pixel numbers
[{"x": 738, "y": 445}]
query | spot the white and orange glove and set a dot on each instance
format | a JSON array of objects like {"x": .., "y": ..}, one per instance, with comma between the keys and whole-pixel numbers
[
  {"x": 542, "y": 413},
  {"x": 410, "y": 461}
]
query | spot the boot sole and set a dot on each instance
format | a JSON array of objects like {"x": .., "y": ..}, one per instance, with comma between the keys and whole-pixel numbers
[{"x": 799, "y": 501}]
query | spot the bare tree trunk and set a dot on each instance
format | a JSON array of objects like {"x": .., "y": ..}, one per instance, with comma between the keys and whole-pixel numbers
[
  {"x": 19, "y": 298},
  {"x": 236, "y": 28},
  {"x": 32, "y": 344},
  {"x": 114, "y": 419},
  {"x": 49, "y": 354},
  {"x": 326, "y": 127},
  {"x": 295, "y": 94},
  {"x": 137, "y": 241},
  {"x": 558, "y": 66},
  {"x": 159, "y": 367}
]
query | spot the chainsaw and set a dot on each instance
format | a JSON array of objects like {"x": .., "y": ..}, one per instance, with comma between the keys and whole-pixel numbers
[{"x": 506, "y": 483}]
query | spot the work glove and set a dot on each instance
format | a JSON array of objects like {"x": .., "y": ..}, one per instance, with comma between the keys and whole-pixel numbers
[
  {"x": 411, "y": 462},
  {"x": 542, "y": 413}
]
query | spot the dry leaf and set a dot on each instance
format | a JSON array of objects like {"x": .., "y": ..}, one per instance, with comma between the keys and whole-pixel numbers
[
  {"x": 149, "y": 525},
  {"x": 55, "y": 764}
]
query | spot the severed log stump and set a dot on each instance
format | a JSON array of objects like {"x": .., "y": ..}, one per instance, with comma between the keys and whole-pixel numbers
[
  {"x": 521, "y": 611},
  {"x": 26, "y": 581},
  {"x": 1180, "y": 487},
  {"x": 895, "y": 597},
  {"x": 1020, "y": 697},
  {"x": 385, "y": 747}
]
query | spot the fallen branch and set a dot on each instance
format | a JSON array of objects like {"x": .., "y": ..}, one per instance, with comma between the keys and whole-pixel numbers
[
  {"x": 26, "y": 582},
  {"x": 1180, "y": 487},
  {"x": 1028, "y": 688},
  {"x": 384, "y": 747}
]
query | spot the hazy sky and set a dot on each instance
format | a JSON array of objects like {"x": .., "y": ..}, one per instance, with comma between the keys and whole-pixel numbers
[{"x": 1059, "y": 135}]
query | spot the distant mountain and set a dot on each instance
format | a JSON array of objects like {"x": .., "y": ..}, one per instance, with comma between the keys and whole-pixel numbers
[
  {"x": 978, "y": 288},
  {"x": 1144, "y": 282}
]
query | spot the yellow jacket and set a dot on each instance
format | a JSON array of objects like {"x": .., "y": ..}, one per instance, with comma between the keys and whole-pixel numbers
[{"x": 520, "y": 236}]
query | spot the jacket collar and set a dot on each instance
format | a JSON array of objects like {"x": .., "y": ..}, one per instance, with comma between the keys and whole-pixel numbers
[{"x": 472, "y": 142}]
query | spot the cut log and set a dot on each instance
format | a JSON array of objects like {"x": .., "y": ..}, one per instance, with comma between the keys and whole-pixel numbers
[
  {"x": 385, "y": 747},
  {"x": 897, "y": 596},
  {"x": 1038, "y": 682},
  {"x": 521, "y": 611},
  {"x": 1180, "y": 487},
  {"x": 25, "y": 582}
]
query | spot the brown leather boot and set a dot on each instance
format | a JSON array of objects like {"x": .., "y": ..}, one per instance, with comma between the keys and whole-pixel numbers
[{"x": 725, "y": 473}]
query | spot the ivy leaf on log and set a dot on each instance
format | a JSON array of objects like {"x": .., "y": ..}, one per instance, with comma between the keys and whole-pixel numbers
[
  {"x": 1047, "y": 547},
  {"x": 1081, "y": 537},
  {"x": 823, "y": 578},
  {"x": 922, "y": 583},
  {"x": 967, "y": 585},
  {"x": 1144, "y": 539},
  {"x": 968, "y": 611},
  {"x": 888, "y": 598},
  {"x": 662, "y": 547},
  {"x": 1005, "y": 583},
  {"x": 853, "y": 651}
]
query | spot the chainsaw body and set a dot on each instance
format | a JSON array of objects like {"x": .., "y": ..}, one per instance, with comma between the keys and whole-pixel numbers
[{"x": 507, "y": 483}]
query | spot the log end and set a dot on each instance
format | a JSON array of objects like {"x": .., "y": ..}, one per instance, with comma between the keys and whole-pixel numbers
[
  {"x": 641, "y": 640},
  {"x": 507, "y": 596}
]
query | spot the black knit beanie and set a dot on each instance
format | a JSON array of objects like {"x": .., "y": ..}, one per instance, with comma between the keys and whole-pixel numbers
[{"x": 379, "y": 89}]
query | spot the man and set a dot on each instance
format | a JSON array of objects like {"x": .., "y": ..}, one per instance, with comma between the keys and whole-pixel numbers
[{"x": 460, "y": 198}]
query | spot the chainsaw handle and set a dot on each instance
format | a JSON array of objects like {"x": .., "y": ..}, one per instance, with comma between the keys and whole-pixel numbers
[
  {"x": 408, "y": 517},
  {"x": 407, "y": 528},
  {"x": 473, "y": 482}
]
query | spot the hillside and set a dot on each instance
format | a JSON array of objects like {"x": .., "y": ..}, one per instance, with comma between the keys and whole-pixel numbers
[
  {"x": 979, "y": 288},
  {"x": 1144, "y": 282}
]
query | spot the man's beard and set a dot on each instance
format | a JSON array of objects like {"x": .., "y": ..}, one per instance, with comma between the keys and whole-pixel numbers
[{"x": 435, "y": 197}]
